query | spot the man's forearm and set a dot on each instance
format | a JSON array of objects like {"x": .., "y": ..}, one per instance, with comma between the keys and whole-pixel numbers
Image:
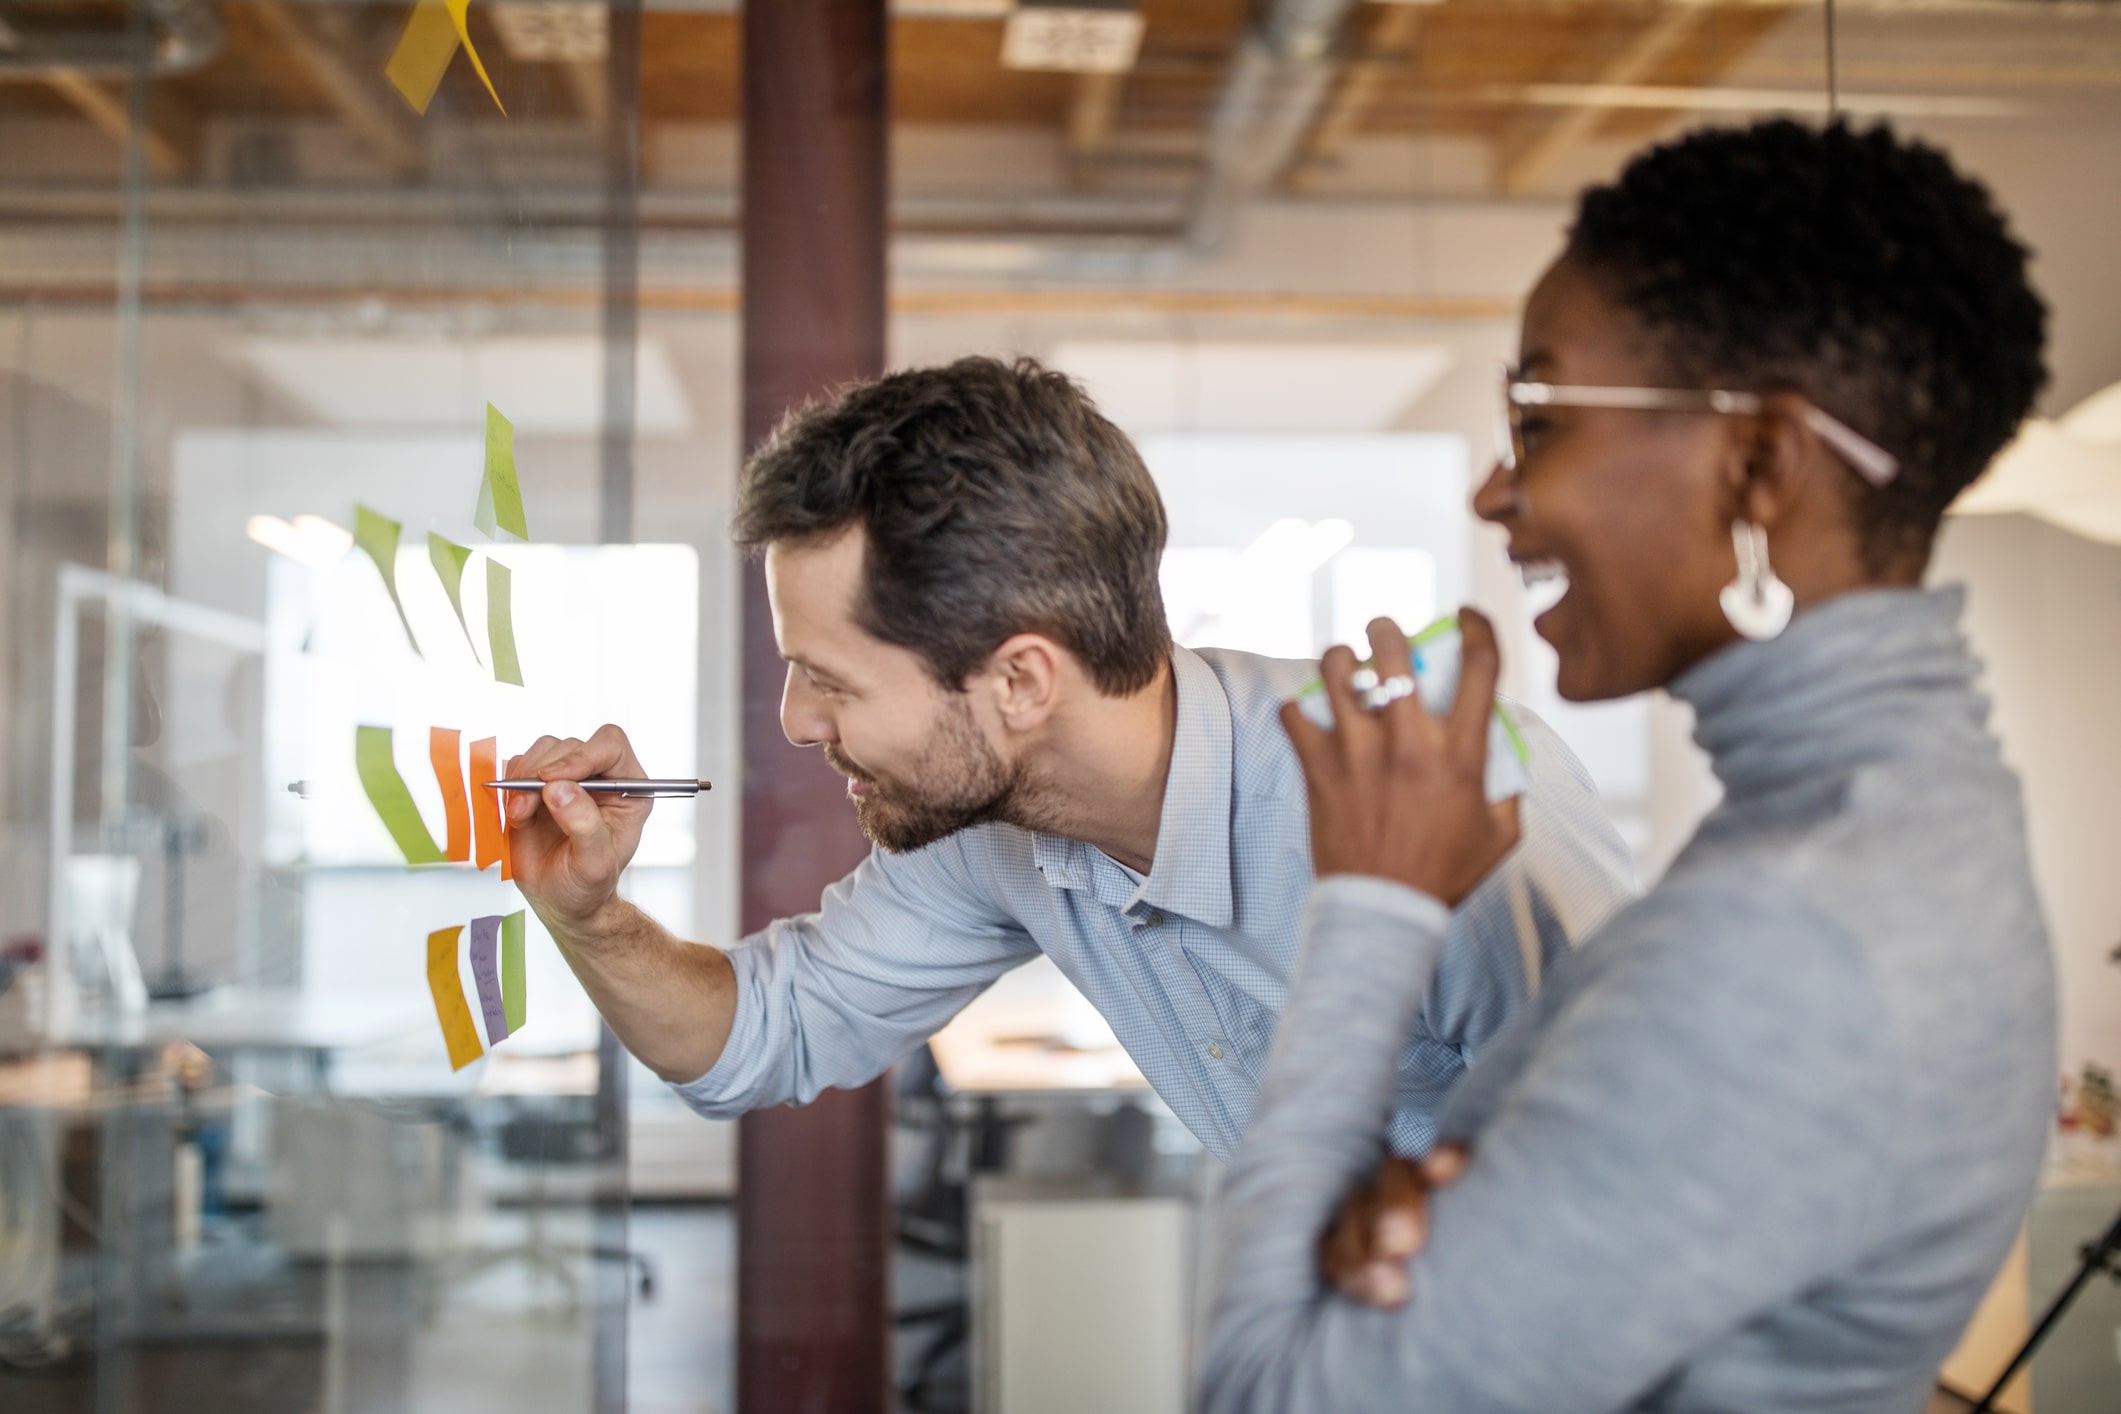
[{"x": 671, "y": 1002}]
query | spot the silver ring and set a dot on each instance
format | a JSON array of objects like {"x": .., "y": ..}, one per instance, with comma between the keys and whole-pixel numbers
[{"x": 1388, "y": 691}]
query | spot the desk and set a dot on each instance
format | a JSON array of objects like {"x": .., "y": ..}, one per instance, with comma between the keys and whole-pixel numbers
[{"x": 1033, "y": 1033}]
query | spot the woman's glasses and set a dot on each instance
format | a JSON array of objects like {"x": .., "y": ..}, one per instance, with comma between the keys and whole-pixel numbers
[{"x": 1871, "y": 461}]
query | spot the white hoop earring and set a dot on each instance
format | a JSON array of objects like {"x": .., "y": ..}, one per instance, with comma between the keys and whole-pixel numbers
[{"x": 1757, "y": 603}]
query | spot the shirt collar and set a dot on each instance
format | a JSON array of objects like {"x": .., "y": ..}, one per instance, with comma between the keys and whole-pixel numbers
[{"x": 1191, "y": 876}]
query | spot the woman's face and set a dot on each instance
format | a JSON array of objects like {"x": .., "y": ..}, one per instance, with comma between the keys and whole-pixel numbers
[{"x": 1633, "y": 508}]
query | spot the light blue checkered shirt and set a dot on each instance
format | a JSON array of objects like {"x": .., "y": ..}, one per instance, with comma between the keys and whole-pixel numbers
[{"x": 1190, "y": 966}]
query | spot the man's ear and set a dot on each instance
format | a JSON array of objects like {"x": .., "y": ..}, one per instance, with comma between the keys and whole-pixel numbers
[{"x": 1023, "y": 677}]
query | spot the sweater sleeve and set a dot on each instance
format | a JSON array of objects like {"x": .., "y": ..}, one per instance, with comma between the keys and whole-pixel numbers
[{"x": 1692, "y": 1138}]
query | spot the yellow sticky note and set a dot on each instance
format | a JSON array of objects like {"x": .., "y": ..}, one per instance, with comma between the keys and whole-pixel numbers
[
  {"x": 449, "y": 560},
  {"x": 500, "y": 494},
  {"x": 500, "y": 625},
  {"x": 393, "y": 802},
  {"x": 450, "y": 1007},
  {"x": 458, "y": 10},
  {"x": 378, "y": 536},
  {"x": 424, "y": 50}
]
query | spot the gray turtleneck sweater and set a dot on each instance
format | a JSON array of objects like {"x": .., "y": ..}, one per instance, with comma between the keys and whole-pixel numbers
[{"x": 1760, "y": 1144}]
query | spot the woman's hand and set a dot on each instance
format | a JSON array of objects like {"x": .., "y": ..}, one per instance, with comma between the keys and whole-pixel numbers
[
  {"x": 1382, "y": 1224},
  {"x": 1397, "y": 793}
]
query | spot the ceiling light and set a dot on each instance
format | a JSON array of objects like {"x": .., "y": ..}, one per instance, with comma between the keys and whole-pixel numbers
[
  {"x": 551, "y": 33},
  {"x": 1077, "y": 36},
  {"x": 310, "y": 540}
]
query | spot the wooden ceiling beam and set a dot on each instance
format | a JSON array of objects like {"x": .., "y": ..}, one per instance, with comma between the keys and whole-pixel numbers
[
  {"x": 171, "y": 138},
  {"x": 360, "y": 101},
  {"x": 1532, "y": 149},
  {"x": 1093, "y": 116},
  {"x": 1389, "y": 43}
]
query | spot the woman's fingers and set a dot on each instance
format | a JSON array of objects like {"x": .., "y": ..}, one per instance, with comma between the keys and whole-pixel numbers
[
  {"x": 1344, "y": 1251},
  {"x": 1479, "y": 670}
]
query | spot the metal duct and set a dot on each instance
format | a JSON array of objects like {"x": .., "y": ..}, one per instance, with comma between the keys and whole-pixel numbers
[
  {"x": 186, "y": 34},
  {"x": 1278, "y": 79}
]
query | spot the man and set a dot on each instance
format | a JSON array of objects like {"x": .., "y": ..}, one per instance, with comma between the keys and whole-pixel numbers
[{"x": 962, "y": 564}]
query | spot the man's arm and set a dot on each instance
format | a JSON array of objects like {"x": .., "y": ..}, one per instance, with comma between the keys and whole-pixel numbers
[{"x": 832, "y": 998}]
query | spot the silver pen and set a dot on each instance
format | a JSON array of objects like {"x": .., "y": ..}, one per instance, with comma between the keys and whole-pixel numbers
[{"x": 654, "y": 788}]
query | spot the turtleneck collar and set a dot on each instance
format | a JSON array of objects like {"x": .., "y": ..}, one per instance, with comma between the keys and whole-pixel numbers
[{"x": 1863, "y": 677}]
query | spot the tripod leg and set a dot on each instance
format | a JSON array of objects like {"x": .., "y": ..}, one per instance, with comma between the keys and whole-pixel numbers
[{"x": 2096, "y": 1257}]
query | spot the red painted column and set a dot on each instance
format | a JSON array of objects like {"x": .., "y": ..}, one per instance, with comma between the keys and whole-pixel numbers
[{"x": 813, "y": 1229}]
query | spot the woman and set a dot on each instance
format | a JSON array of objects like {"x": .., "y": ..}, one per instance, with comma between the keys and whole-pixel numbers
[{"x": 1762, "y": 1143}]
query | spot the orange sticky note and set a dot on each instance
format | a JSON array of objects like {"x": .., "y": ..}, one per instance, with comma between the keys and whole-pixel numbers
[
  {"x": 486, "y": 801},
  {"x": 507, "y": 868},
  {"x": 449, "y": 775},
  {"x": 450, "y": 1007}
]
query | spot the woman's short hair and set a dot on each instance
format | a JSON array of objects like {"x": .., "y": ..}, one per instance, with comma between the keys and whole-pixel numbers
[
  {"x": 1853, "y": 266},
  {"x": 995, "y": 499}
]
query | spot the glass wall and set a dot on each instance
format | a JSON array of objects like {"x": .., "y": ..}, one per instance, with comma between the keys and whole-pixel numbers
[{"x": 279, "y": 276}]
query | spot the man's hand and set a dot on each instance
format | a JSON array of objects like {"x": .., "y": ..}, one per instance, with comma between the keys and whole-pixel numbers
[
  {"x": 1381, "y": 1225},
  {"x": 567, "y": 847},
  {"x": 1397, "y": 793}
]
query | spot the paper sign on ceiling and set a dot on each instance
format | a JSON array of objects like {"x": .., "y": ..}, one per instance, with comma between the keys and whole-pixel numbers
[
  {"x": 424, "y": 50},
  {"x": 448, "y": 988},
  {"x": 500, "y": 504},
  {"x": 386, "y": 791},
  {"x": 377, "y": 536}
]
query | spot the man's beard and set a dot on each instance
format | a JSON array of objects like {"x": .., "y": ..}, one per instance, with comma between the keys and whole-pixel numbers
[{"x": 960, "y": 781}]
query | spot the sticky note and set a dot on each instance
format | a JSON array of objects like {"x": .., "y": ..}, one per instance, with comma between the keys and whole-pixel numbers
[
  {"x": 500, "y": 494},
  {"x": 378, "y": 536},
  {"x": 449, "y": 775},
  {"x": 458, "y": 11},
  {"x": 486, "y": 976},
  {"x": 512, "y": 995},
  {"x": 500, "y": 626},
  {"x": 449, "y": 560},
  {"x": 485, "y": 802},
  {"x": 424, "y": 50},
  {"x": 393, "y": 802},
  {"x": 450, "y": 1010}
]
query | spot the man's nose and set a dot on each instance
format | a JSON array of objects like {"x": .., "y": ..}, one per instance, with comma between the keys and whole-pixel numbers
[{"x": 804, "y": 720}]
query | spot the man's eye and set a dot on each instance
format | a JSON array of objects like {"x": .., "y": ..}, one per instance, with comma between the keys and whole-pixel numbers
[{"x": 1532, "y": 428}]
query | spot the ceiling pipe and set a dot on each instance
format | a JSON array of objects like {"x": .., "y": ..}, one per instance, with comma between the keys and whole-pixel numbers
[
  {"x": 1277, "y": 82},
  {"x": 186, "y": 35}
]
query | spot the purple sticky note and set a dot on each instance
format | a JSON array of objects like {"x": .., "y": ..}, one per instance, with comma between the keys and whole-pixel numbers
[{"x": 486, "y": 972}]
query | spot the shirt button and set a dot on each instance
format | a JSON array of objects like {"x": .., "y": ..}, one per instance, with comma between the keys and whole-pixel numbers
[
  {"x": 1215, "y": 1051},
  {"x": 1155, "y": 918}
]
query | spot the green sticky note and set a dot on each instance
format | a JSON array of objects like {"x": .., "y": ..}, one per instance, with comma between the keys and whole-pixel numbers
[
  {"x": 513, "y": 1003},
  {"x": 393, "y": 802},
  {"x": 500, "y": 626},
  {"x": 378, "y": 536},
  {"x": 500, "y": 497},
  {"x": 449, "y": 561}
]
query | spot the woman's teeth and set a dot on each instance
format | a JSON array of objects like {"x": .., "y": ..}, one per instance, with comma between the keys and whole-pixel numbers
[{"x": 1545, "y": 581}]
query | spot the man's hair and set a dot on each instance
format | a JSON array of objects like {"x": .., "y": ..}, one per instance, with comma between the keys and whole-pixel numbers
[
  {"x": 1856, "y": 268},
  {"x": 996, "y": 500}
]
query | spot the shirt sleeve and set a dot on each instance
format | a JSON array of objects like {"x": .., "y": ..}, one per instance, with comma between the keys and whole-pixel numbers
[
  {"x": 1570, "y": 874},
  {"x": 833, "y": 998},
  {"x": 1693, "y": 1138}
]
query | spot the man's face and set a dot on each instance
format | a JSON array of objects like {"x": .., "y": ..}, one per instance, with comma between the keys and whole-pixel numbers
[{"x": 918, "y": 761}]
